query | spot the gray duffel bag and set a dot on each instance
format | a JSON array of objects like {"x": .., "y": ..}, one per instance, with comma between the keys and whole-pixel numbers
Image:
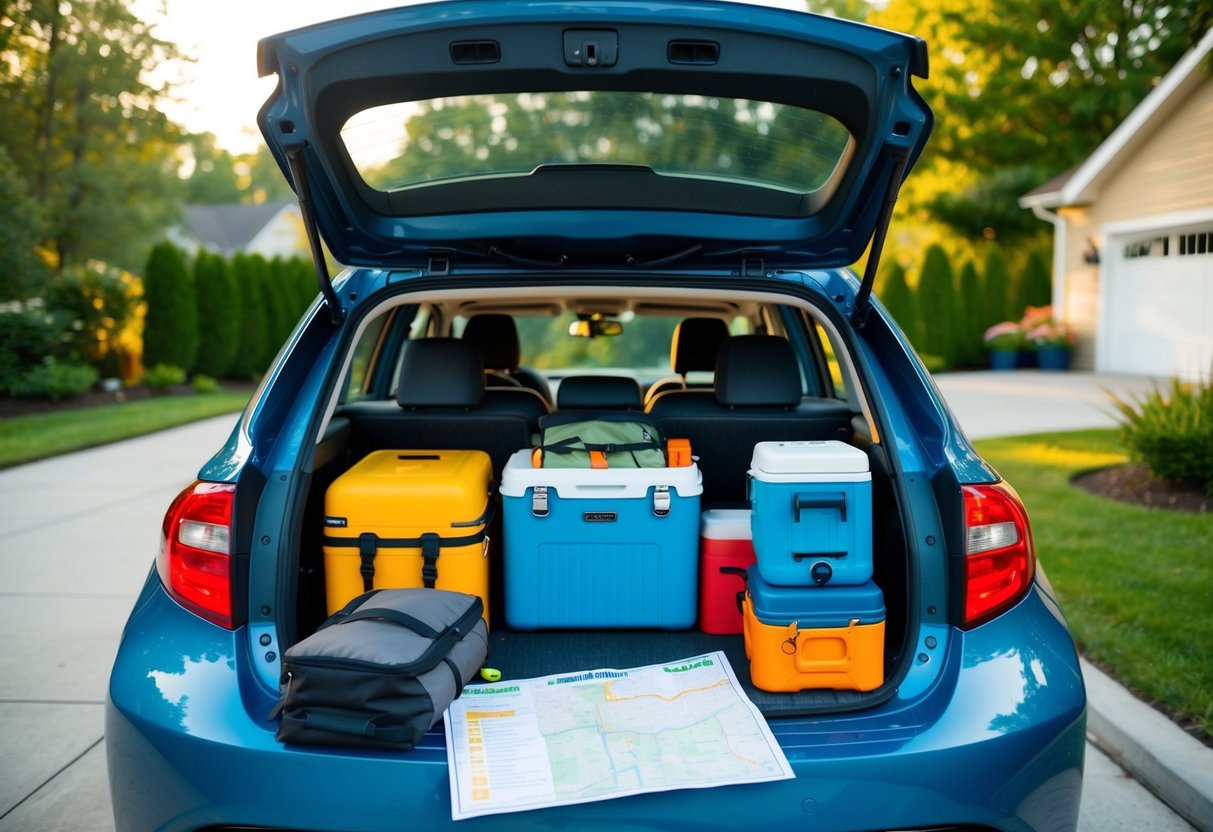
[{"x": 381, "y": 671}]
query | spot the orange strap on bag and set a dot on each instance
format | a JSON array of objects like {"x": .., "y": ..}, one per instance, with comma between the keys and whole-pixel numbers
[
  {"x": 678, "y": 452},
  {"x": 598, "y": 459},
  {"x": 536, "y": 457}
]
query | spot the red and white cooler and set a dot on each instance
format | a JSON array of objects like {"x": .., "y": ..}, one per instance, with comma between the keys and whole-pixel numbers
[{"x": 725, "y": 553}]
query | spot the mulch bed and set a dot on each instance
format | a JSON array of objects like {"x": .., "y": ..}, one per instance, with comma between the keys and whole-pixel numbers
[{"x": 1133, "y": 483}]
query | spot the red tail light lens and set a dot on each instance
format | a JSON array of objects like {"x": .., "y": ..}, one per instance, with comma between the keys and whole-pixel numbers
[
  {"x": 195, "y": 562},
  {"x": 999, "y": 559}
]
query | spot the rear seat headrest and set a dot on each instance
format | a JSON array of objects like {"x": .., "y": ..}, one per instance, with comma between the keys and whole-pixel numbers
[
  {"x": 440, "y": 372},
  {"x": 495, "y": 337},
  {"x": 696, "y": 343},
  {"x": 598, "y": 393},
  {"x": 757, "y": 370}
]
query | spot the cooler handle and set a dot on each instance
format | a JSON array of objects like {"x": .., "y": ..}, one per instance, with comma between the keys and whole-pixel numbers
[
  {"x": 805, "y": 665},
  {"x": 836, "y": 500}
]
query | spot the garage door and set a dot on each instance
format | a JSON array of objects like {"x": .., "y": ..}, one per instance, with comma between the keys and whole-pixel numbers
[{"x": 1158, "y": 305}]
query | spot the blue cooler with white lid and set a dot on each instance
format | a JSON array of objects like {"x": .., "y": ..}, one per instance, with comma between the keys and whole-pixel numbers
[
  {"x": 600, "y": 548},
  {"x": 811, "y": 515}
]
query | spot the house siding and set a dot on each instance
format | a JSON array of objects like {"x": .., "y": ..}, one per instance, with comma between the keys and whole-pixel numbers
[{"x": 1171, "y": 172}]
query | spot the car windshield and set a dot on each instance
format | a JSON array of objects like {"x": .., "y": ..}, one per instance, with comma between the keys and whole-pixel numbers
[{"x": 760, "y": 143}]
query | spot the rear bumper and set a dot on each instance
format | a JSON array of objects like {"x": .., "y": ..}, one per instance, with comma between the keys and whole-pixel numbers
[{"x": 997, "y": 741}]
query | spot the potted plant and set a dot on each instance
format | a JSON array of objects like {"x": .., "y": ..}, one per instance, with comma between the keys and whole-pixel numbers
[
  {"x": 1052, "y": 342},
  {"x": 1003, "y": 342}
]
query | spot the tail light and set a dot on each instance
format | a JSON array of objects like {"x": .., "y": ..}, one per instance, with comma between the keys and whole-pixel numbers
[
  {"x": 195, "y": 562},
  {"x": 999, "y": 561}
]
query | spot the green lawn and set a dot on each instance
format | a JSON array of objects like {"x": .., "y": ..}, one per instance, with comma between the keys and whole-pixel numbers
[
  {"x": 1136, "y": 584},
  {"x": 27, "y": 438}
]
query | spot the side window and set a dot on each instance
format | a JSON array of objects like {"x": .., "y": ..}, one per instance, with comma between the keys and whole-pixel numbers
[
  {"x": 832, "y": 365},
  {"x": 358, "y": 380}
]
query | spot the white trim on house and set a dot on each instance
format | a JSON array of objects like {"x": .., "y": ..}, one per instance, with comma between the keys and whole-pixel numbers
[
  {"x": 1058, "y": 298},
  {"x": 1130, "y": 131}
]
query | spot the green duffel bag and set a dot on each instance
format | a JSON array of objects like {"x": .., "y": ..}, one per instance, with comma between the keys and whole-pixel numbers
[{"x": 607, "y": 440}]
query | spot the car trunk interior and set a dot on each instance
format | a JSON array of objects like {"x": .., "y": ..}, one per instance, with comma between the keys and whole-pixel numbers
[{"x": 522, "y": 654}]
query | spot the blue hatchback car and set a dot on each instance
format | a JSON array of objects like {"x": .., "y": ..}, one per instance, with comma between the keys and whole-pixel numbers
[{"x": 683, "y": 175}]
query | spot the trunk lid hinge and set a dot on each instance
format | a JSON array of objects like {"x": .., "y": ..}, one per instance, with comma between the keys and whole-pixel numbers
[
  {"x": 753, "y": 264},
  {"x": 294, "y": 157},
  {"x": 863, "y": 300}
]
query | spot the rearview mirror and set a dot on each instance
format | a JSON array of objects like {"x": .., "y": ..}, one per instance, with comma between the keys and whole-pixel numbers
[{"x": 594, "y": 327}]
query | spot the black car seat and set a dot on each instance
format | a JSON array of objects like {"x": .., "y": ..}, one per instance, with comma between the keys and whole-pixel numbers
[
  {"x": 442, "y": 402},
  {"x": 757, "y": 398},
  {"x": 598, "y": 393},
  {"x": 693, "y": 347},
  {"x": 495, "y": 337}
]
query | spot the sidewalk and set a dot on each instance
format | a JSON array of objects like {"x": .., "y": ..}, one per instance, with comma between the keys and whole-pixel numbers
[{"x": 1155, "y": 751}]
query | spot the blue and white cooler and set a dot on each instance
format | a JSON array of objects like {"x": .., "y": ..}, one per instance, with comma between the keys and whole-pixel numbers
[
  {"x": 812, "y": 513},
  {"x": 600, "y": 548}
]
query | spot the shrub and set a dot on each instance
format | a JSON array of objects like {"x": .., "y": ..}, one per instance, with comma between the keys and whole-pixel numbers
[
  {"x": 1035, "y": 286},
  {"x": 163, "y": 376},
  {"x": 55, "y": 380},
  {"x": 204, "y": 385},
  {"x": 170, "y": 330},
  {"x": 218, "y": 314},
  {"x": 251, "y": 335},
  {"x": 1172, "y": 433},
  {"x": 997, "y": 277},
  {"x": 898, "y": 299},
  {"x": 972, "y": 322},
  {"x": 937, "y": 303},
  {"x": 28, "y": 335},
  {"x": 99, "y": 305}
]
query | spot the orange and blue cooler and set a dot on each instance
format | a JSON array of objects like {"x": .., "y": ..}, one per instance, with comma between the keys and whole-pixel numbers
[
  {"x": 801, "y": 638},
  {"x": 399, "y": 518},
  {"x": 725, "y": 553}
]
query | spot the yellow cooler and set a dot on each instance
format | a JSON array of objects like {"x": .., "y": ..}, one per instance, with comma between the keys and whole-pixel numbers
[{"x": 401, "y": 518}]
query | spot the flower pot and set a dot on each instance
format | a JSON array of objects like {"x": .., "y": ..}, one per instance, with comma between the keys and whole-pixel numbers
[
  {"x": 1053, "y": 358},
  {"x": 1003, "y": 359}
]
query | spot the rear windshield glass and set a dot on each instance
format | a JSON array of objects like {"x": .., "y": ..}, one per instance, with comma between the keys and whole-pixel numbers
[{"x": 510, "y": 134}]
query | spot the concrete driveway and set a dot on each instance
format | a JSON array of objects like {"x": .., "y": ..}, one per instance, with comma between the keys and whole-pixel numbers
[{"x": 79, "y": 533}]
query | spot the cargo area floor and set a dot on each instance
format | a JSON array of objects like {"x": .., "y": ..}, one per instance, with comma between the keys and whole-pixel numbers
[{"x": 520, "y": 655}]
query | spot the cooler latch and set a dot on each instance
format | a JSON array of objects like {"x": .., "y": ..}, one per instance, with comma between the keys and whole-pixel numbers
[
  {"x": 539, "y": 501},
  {"x": 661, "y": 500}
]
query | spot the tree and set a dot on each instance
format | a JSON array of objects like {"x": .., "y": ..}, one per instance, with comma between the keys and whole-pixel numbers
[
  {"x": 895, "y": 293},
  {"x": 79, "y": 118},
  {"x": 260, "y": 179},
  {"x": 940, "y": 311},
  {"x": 212, "y": 176},
  {"x": 170, "y": 328},
  {"x": 1023, "y": 91},
  {"x": 22, "y": 271},
  {"x": 218, "y": 313}
]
